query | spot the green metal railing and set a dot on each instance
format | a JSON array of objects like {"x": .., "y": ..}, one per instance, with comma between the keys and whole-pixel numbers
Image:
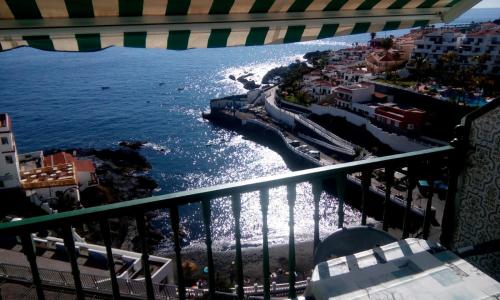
[{"x": 139, "y": 207}]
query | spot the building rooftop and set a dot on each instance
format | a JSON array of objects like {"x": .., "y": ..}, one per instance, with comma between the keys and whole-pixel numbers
[
  {"x": 402, "y": 107},
  {"x": 51, "y": 176},
  {"x": 58, "y": 158},
  {"x": 81, "y": 165}
]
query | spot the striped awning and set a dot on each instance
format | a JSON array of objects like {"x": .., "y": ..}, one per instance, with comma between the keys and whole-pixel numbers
[{"x": 89, "y": 25}]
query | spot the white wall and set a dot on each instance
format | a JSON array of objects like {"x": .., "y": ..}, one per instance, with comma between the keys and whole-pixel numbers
[
  {"x": 293, "y": 149},
  {"x": 363, "y": 94},
  {"x": 363, "y": 107},
  {"x": 50, "y": 192},
  {"x": 397, "y": 142},
  {"x": 280, "y": 114},
  {"x": 227, "y": 103},
  {"x": 9, "y": 172}
]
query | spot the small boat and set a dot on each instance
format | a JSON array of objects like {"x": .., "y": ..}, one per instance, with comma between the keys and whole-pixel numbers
[{"x": 180, "y": 88}]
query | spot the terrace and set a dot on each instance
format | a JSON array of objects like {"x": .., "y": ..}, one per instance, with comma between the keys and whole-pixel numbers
[{"x": 470, "y": 214}]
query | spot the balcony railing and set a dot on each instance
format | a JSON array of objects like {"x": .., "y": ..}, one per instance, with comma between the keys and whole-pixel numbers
[{"x": 318, "y": 177}]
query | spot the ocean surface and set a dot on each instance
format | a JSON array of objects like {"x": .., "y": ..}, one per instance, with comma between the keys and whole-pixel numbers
[{"x": 154, "y": 95}]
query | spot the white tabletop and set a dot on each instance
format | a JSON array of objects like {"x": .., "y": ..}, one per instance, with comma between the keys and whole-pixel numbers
[{"x": 407, "y": 269}]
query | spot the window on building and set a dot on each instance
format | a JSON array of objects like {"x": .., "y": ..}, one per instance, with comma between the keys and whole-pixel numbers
[
  {"x": 5, "y": 140},
  {"x": 9, "y": 159}
]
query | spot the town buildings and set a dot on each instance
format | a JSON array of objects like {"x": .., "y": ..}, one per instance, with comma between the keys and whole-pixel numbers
[{"x": 362, "y": 99}]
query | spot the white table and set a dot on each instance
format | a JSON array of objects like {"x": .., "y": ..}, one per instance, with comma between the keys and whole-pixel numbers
[{"x": 407, "y": 269}]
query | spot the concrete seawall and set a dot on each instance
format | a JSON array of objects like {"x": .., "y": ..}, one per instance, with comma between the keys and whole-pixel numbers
[{"x": 294, "y": 150}]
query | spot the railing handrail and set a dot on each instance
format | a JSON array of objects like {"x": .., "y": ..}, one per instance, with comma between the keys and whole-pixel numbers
[{"x": 196, "y": 195}]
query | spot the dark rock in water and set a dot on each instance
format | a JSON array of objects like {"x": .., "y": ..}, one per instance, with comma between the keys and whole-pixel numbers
[
  {"x": 232, "y": 77},
  {"x": 105, "y": 87},
  {"x": 180, "y": 88},
  {"x": 134, "y": 145},
  {"x": 245, "y": 76},
  {"x": 124, "y": 159},
  {"x": 251, "y": 85},
  {"x": 248, "y": 84},
  {"x": 161, "y": 83},
  {"x": 118, "y": 181}
]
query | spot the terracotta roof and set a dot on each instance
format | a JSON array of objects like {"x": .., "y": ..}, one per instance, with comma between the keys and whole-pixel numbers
[
  {"x": 84, "y": 165},
  {"x": 58, "y": 158}
]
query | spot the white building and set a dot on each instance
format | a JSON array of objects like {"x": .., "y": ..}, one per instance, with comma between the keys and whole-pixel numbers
[
  {"x": 321, "y": 89},
  {"x": 436, "y": 43},
  {"x": 355, "y": 75},
  {"x": 310, "y": 77},
  {"x": 484, "y": 41},
  {"x": 85, "y": 170},
  {"x": 346, "y": 95},
  {"x": 9, "y": 165},
  {"x": 51, "y": 183}
]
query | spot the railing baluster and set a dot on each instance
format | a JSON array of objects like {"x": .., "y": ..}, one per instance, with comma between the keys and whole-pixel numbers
[
  {"x": 316, "y": 189},
  {"x": 264, "y": 203},
  {"x": 236, "y": 203},
  {"x": 448, "y": 222},
  {"x": 365, "y": 189},
  {"x": 106, "y": 236},
  {"x": 141, "y": 229},
  {"x": 69, "y": 242},
  {"x": 31, "y": 256},
  {"x": 340, "y": 180},
  {"x": 207, "y": 213},
  {"x": 291, "y": 193},
  {"x": 409, "y": 197},
  {"x": 428, "y": 210},
  {"x": 389, "y": 179},
  {"x": 174, "y": 219}
]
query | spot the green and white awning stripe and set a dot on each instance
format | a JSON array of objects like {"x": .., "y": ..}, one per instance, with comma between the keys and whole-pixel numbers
[{"x": 89, "y": 25}]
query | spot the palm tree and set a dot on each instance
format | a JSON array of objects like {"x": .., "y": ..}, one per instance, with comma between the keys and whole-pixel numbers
[
  {"x": 422, "y": 68},
  {"x": 387, "y": 44}
]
